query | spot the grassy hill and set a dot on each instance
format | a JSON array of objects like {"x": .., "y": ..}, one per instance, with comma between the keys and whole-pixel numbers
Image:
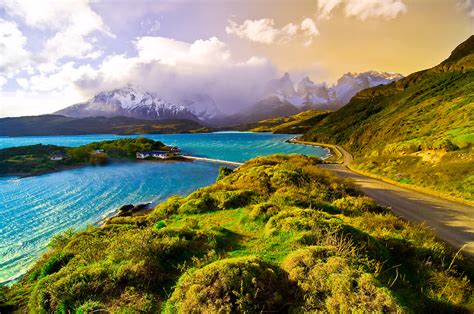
[
  {"x": 419, "y": 130},
  {"x": 295, "y": 124},
  {"x": 279, "y": 234},
  {"x": 61, "y": 125}
]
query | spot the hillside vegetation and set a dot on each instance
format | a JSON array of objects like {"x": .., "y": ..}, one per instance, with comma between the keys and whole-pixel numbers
[
  {"x": 419, "y": 130},
  {"x": 278, "y": 234},
  {"x": 296, "y": 124},
  {"x": 61, "y": 125},
  {"x": 36, "y": 159}
]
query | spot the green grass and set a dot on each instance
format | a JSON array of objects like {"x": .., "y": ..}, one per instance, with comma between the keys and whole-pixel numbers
[{"x": 277, "y": 234}]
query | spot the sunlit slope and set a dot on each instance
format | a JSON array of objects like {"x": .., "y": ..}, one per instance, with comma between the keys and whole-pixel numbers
[{"x": 419, "y": 130}]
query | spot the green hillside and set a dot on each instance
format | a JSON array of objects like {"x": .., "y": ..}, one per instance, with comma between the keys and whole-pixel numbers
[
  {"x": 295, "y": 124},
  {"x": 419, "y": 130},
  {"x": 279, "y": 234}
]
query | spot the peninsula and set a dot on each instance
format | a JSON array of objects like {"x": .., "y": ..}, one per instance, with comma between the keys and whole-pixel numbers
[{"x": 39, "y": 159}]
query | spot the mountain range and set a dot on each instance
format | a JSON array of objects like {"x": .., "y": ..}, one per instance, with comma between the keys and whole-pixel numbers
[{"x": 281, "y": 98}]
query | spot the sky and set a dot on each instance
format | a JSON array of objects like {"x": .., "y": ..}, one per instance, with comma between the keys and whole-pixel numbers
[{"x": 54, "y": 53}]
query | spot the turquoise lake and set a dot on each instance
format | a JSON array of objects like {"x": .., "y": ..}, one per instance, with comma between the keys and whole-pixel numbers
[{"x": 33, "y": 209}]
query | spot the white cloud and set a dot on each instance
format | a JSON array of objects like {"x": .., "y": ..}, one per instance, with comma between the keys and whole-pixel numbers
[
  {"x": 363, "y": 9},
  {"x": 13, "y": 55},
  {"x": 174, "y": 69},
  {"x": 264, "y": 31},
  {"x": 467, "y": 6},
  {"x": 171, "y": 52},
  {"x": 73, "y": 22},
  {"x": 310, "y": 30},
  {"x": 3, "y": 81}
]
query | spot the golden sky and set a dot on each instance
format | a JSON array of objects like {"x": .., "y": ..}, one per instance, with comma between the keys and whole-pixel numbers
[{"x": 420, "y": 38}]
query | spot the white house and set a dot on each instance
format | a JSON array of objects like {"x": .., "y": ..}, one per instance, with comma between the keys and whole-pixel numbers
[
  {"x": 160, "y": 154},
  {"x": 142, "y": 155},
  {"x": 57, "y": 157}
]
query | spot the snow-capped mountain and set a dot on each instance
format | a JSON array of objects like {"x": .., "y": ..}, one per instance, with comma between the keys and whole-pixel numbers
[
  {"x": 132, "y": 102},
  {"x": 320, "y": 96},
  {"x": 352, "y": 83},
  {"x": 312, "y": 93}
]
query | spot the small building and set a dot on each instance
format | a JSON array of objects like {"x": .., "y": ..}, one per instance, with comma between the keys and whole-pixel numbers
[
  {"x": 158, "y": 154},
  {"x": 58, "y": 157},
  {"x": 142, "y": 155},
  {"x": 98, "y": 151}
]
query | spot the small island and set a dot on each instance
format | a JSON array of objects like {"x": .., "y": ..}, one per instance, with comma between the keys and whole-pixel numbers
[{"x": 40, "y": 159}]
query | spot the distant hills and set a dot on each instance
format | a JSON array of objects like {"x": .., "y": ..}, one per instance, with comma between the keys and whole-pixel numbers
[
  {"x": 418, "y": 130},
  {"x": 61, "y": 125}
]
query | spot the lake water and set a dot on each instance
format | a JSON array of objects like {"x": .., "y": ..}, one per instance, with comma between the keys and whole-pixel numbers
[{"x": 33, "y": 209}]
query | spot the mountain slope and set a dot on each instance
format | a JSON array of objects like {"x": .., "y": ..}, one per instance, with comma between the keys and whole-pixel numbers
[
  {"x": 427, "y": 116},
  {"x": 133, "y": 103},
  {"x": 295, "y": 124},
  {"x": 61, "y": 125},
  {"x": 270, "y": 107}
]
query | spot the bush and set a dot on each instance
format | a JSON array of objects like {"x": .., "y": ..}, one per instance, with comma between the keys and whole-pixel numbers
[
  {"x": 331, "y": 283},
  {"x": 197, "y": 203},
  {"x": 244, "y": 285},
  {"x": 166, "y": 209},
  {"x": 224, "y": 171},
  {"x": 351, "y": 205}
]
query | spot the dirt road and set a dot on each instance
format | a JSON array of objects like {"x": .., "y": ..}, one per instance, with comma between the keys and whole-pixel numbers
[{"x": 453, "y": 222}]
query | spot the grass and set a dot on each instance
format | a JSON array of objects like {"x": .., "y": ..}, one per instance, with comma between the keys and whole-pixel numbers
[{"x": 277, "y": 234}]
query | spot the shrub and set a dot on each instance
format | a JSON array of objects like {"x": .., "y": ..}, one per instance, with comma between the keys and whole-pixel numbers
[
  {"x": 245, "y": 285},
  {"x": 166, "y": 208},
  {"x": 331, "y": 283},
  {"x": 197, "y": 203},
  {"x": 236, "y": 199},
  {"x": 160, "y": 224},
  {"x": 224, "y": 171},
  {"x": 351, "y": 205}
]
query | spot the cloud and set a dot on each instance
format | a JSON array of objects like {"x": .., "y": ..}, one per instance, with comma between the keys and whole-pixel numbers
[
  {"x": 150, "y": 27},
  {"x": 72, "y": 22},
  {"x": 264, "y": 31},
  {"x": 363, "y": 9},
  {"x": 3, "y": 81},
  {"x": 13, "y": 55},
  {"x": 467, "y": 6},
  {"x": 309, "y": 30},
  {"x": 174, "y": 69}
]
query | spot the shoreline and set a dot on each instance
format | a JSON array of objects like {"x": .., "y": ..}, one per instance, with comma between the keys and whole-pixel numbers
[
  {"x": 335, "y": 155},
  {"x": 72, "y": 167}
]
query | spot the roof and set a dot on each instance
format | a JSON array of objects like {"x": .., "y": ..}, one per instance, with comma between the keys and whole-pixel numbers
[{"x": 152, "y": 152}]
